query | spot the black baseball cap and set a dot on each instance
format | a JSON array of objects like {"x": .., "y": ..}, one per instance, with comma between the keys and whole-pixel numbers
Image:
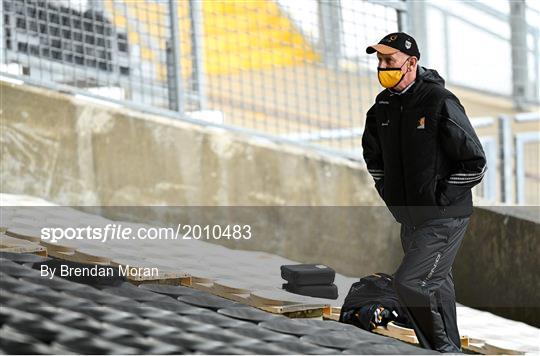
[{"x": 394, "y": 42}]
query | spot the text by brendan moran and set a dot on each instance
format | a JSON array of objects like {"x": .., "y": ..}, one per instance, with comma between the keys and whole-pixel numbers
[{"x": 98, "y": 271}]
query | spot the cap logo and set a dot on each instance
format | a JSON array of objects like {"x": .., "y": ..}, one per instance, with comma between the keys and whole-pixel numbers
[
  {"x": 408, "y": 44},
  {"x": 392, "y": 38}
]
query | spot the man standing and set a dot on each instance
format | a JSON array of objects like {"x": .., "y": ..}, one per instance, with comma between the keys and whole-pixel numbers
[{"x": 425, "y": 157}]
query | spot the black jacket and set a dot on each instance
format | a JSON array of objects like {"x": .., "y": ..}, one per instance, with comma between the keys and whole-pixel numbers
[{"x": 422, "y": 151}]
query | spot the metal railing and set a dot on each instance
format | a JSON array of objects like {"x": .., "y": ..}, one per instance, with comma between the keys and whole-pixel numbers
[
  {"x": 499, "y": 54},
  {"x": 512, "y": 147}
]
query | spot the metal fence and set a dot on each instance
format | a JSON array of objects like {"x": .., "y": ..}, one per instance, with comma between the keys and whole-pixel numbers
[
  {"x": 293, "y": 69},
  {"x": 110, "y": 49}
]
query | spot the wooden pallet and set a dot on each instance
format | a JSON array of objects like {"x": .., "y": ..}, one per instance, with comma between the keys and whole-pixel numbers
[
  {"x": 75, "y": 256},
  {"x": 408, "y": 335},
  {"x": 332, "y": 313},
  {"x": 397, "y": 332},
  {"x": 28, "y": 234},
  {"x": 33, "y": 235},
  {"x": 470, "y": 344},
  {"x": 295, "y": 310},
  {"x": 15, "y": 245},
  {"x": 485, "y": 348}
]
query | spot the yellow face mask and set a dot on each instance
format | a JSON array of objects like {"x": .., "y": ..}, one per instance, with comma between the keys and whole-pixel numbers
[{"x": 390, "y": 77}]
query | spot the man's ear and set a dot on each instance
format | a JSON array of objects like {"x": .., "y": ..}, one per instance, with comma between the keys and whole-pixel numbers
[{"x": 413, "y": 62}]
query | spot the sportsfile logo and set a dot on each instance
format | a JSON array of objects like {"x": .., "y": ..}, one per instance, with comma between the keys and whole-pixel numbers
[
  {"x": 121, "y": 232},
  {"x": 107, "y": 232}
]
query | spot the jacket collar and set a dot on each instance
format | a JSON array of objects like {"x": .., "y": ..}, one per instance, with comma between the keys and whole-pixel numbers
[
  {"x": 413, "y": 86},
  {"x": 403, "y": 91}
]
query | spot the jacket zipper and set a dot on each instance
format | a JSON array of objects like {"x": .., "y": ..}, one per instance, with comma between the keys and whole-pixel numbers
[{"x": 401, "y": 152}]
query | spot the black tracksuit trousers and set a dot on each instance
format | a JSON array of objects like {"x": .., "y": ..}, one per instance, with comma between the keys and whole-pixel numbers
[{"x": 424, "y": 281}]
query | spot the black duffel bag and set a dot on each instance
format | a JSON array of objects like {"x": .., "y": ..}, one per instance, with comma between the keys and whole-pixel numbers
[{"x": 371, "y": 302}]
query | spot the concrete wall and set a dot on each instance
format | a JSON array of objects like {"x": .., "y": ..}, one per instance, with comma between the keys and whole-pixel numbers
[
  {"x": 497, "y": 268},
  {"x": 74, "y": 152}
]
